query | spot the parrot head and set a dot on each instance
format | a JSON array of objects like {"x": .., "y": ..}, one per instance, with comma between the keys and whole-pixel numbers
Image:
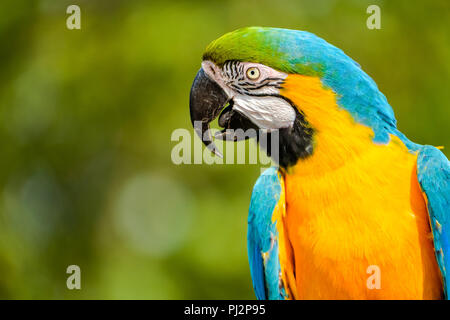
[{"x": 280, "y": 79}]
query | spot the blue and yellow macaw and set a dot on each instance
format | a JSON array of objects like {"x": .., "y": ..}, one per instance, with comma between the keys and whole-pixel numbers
[{"x": 350, "y": 192}]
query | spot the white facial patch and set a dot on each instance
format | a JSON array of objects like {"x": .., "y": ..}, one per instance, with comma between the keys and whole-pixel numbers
[
  {"x": 255, "y": 90},
  {"x": 267, "y": 112}
]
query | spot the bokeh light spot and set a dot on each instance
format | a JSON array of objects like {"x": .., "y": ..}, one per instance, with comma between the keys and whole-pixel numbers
[{"x": 153, "y": 214}]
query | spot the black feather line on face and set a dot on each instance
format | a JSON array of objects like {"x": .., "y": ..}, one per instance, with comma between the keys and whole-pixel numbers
[
  {"x": 295, "y": 142},
  {"x": 233, "y": 70}
]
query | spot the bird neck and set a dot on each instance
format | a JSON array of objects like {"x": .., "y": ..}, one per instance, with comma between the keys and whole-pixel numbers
[{"x": 338, "y": 138}]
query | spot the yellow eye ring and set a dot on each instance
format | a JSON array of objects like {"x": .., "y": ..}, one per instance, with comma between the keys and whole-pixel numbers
[{"x": 253, "y": 73}]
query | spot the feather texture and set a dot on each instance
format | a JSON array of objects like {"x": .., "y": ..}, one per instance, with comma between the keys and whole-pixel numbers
[
  {"x": 263, "y": 237},
  {"x": 433, "y": 170}
]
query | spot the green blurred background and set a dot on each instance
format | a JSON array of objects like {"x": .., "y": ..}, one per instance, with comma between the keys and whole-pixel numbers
[{"x": 86, "y": 118}]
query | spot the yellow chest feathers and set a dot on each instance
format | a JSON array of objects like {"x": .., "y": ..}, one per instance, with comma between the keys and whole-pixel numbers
[
  {"x": 368, "y": 213},
  {"x": 355, "y": 217}
]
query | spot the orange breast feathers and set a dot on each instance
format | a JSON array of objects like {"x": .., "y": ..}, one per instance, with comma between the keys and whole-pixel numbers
[{"x": 356, "y": 224}]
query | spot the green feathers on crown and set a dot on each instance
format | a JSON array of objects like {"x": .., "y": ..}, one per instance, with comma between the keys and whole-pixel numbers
[{"x": 260, "y": 45}]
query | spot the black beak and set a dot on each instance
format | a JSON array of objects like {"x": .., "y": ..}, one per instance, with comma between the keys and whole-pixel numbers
[{"x": 206, "y": 101}]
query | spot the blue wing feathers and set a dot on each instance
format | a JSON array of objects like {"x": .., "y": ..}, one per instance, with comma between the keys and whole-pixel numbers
[
  {"x": 262, "y": 236},
  {"x": 433, "y": 172},
  {"x": 257, "y": 270}
]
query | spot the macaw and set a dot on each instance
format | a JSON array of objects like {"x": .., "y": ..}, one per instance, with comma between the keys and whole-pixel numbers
[{"x": 350, "y": 192}]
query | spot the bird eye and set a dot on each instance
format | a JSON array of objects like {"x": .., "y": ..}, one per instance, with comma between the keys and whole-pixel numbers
[{"x": 253, "y": 73}]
